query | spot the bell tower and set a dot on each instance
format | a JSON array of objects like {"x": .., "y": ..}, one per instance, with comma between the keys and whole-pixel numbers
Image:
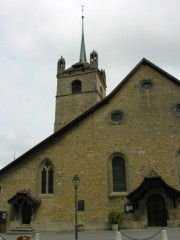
[{"x": 79, "y": 87}]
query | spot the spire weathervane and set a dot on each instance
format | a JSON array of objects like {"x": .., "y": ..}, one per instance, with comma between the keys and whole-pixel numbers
[
  {"x": 82, "y": 11},
  {"x": 82, "y": 50}
]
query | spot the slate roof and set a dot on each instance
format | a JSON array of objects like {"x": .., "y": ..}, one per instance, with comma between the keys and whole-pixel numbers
[
  {"x": 24, "y": 195},
  {"x": 152, "y": 181},
  {"x": 78, "y": 66}
]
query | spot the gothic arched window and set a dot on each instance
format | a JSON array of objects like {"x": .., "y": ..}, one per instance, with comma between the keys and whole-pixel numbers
[
  {"x": 76, "y": 86},
  {"x": 47, "y": 176},
  {"x": 118, "y": 174}
]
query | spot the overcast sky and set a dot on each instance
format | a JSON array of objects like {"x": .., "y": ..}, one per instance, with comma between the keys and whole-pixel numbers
[{"x": 33, "y": 36}]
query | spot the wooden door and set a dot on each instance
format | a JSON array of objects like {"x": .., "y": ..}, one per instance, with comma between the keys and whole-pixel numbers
[
  {"x": 26, "y": 213},
  {"x": 156, "y": 211}
]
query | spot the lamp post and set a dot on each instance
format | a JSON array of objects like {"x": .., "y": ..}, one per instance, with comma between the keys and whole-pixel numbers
[{"x": 76, "y": 181}]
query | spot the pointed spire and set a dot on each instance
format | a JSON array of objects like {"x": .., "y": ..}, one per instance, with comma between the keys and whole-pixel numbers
[{"x": 83, "y": 50}]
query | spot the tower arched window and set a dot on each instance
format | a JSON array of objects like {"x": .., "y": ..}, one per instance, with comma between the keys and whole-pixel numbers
[
  {"x": 47, "y": 178},
  {"x": 76, "y": 86},
  {"x": 118, "y": 174}
]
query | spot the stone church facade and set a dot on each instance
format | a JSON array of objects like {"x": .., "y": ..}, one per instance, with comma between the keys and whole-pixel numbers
[{"x": 124, "y": 147}]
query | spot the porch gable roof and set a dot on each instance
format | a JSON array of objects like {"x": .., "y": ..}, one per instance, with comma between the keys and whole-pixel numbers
[{"x": 152, "y": 181}]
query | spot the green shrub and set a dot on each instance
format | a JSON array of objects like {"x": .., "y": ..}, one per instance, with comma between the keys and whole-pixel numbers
[{"x": 115, "y": 216}]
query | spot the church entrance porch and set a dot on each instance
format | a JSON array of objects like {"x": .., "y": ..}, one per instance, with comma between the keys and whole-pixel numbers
[
  {"x": 156, "y": 211},
  {"x": 24, "y": 205},
  {"x": 155, "y": 203}
]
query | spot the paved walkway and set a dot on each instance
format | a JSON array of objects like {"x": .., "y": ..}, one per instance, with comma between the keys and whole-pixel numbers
[{"x": 141, "y": 234}]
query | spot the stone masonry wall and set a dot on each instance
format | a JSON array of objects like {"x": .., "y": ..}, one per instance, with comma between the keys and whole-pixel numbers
[
  {"x": 68, "y": 105},
  {"x": 148, "y": 137}
]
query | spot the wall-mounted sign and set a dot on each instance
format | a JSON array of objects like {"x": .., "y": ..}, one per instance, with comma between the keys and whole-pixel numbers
[
  {"x": 4, "y": 215},
  {"x": 129, "y": 208}
]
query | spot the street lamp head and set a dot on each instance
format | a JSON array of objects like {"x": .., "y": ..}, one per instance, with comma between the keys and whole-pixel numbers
[{"x": 76, "y": 181}]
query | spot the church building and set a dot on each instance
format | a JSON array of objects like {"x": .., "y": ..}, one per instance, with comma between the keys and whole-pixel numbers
[{"x": 124, "y": 147}]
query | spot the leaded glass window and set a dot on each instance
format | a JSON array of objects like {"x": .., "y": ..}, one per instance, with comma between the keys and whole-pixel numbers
[
  {"x": 47, "y": 176},
  {"x": 119, "y": 174}
]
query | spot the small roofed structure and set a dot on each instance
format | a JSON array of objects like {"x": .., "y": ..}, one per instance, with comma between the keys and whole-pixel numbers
[
  {"x": 150, "y": 182},
  {"x": 24, "y": 196}
]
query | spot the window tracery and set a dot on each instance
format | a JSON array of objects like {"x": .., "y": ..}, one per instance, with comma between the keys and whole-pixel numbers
[{"x": 47, "y": 176}]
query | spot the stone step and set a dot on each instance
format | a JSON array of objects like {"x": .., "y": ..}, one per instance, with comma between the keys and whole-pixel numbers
[{"x": 23, "y": 228}]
